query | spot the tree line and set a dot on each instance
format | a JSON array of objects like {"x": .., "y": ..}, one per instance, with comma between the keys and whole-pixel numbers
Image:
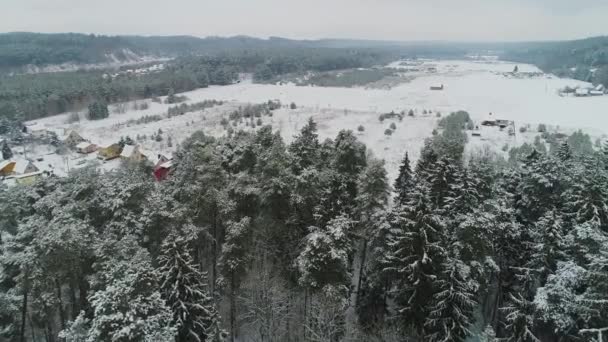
[{"x": 254, "y": 238}]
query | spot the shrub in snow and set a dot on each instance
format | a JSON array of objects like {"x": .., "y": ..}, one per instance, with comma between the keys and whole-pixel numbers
[
  {"x": 393, "y": 126},
  {"x": 259, "y": 122},
  {"x": 522, "y": 129},
  {"x": 381, "y": 117},
  {"x": 224, "y": 122},
  {"x": 438, "y": 114},
  {"x": 361, "y": 128},
  {"x": 388, "y": 131},
  {"x": 542, "y": 128},
  {"x": 292, "y": 106},
  {"x": 411, "y": 112}
]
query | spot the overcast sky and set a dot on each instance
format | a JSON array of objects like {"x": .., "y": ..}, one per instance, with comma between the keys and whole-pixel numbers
[{"x": 470, "y": 20}]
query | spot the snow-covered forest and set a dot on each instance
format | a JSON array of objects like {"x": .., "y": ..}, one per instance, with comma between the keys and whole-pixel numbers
[{"x": 253, "y": 239}]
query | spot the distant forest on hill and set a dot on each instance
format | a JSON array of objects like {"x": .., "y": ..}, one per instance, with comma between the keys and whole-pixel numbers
[
  {"x": 199, "y": 62},
  {"x": 585, "y": 59},
  {"x": 20, "y": 49}
]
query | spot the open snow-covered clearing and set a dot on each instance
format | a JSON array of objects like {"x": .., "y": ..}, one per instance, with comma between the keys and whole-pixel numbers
[{"x": 477, "y": 87}]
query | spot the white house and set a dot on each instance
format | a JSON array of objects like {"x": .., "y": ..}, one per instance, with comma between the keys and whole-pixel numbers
[{"x": 86, "y": 147}]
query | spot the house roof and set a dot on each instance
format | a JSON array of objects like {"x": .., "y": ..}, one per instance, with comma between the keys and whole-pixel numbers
[
  {"x": 21, "y": 166},
  {"x": 166, "y": 165},
  {"x": 127, "y": 151},
  {"x": 31, "y": 174},
  {"x": 5, "y": 163},
  {"x": 582, "y": 91}
]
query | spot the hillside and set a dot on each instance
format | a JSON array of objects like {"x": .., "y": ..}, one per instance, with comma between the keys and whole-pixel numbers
[
  {"x": 584, "y": 59},
  {"x": 35, "y": 51}
]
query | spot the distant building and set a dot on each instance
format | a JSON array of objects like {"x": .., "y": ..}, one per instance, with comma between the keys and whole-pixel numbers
[
  {"x": 582, "y": 92},
  {"x": 436, "y": 87},
  {"x": 109, "y": 152},
  {"x": 86, "y": 147},
  {"x": 489, "y": 120},
  {"x": 161, "y": 172}
]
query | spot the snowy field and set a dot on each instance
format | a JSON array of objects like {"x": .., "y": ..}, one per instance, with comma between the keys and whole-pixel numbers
[{"x": 477, "y": 87}]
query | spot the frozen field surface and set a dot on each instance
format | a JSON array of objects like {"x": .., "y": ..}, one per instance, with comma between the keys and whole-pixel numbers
[{"x": 477, "y": 87}]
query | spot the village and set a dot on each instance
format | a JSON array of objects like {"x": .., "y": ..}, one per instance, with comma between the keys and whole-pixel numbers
[{"x": 71, "y": 149}]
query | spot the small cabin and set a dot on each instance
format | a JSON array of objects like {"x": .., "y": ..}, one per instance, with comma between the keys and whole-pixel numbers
[
  {"x": 86, "y": 147},
  {"x": 437, "y": 87},
  {"x": 161, "y": 172}
]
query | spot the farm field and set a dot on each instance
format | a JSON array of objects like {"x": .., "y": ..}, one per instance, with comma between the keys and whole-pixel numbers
[{"x": 479, "y": 87}]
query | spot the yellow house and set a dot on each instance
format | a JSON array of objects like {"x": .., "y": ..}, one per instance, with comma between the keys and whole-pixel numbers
[
  {"x": 7, "y": 167},
  {"x": 28, "y": 178},
  {"x": 110, "y": 152}
]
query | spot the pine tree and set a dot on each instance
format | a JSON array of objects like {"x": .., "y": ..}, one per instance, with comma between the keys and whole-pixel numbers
[
  {"x": 404, "y": 181},
  {"x": 372, "y": 198},
  {"x": 441, "y": 180},
  {"x": 324, "y": 258},
  {"x": 463, "y": 197},
  {"x": 451, "y": 313},
  {"x": 305, "y": 147},
  {"x": 587, "y": 199},
  {"x": 415, "y": 257},
  {"x": 128, "y": 306},
  {"x": 549, "y": 245},
  {"x": 185, "y": 290},
  {"x": 234, "y": 262},
  {"x": 426, "y": 162},
  {"x": 564, "y": 153}
]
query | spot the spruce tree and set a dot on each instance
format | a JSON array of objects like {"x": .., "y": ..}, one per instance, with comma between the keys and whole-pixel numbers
[
  {"x": 549, "y": 245},
  {"x": 415, "y": 258},
  {"x": 184, "y": 288},
  {"x": 404, "y": 181},
  {"x": 305, "y": 147},
  {"x": 564, "y": 153},
  {"x": 519, "y": 315},
  {"x": 451, "y": 314}
]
